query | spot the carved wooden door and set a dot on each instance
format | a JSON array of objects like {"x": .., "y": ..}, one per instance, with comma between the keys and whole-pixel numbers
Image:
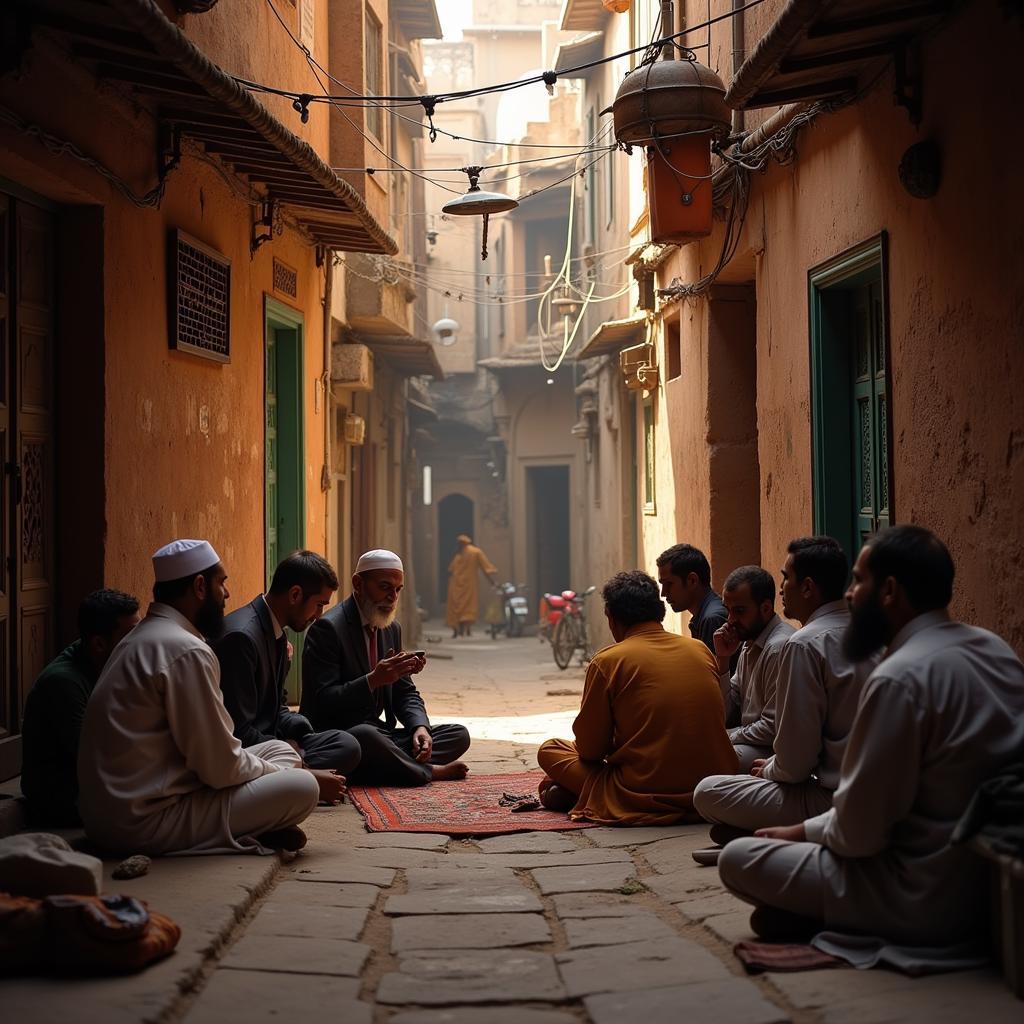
[{"x": 26, "y": 445}]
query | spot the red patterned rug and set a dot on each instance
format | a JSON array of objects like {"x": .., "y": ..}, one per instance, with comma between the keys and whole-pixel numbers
[{"x": 467, "y": 808}]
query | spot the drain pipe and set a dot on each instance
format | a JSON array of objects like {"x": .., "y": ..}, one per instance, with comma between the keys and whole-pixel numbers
[
  {"x": 739, "y": 54},
  {"x": 325, "y": 382}
]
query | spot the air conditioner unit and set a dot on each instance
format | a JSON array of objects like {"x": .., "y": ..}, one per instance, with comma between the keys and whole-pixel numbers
[
  {"x": 352, "y": 367},
  {"x": 639, "y": 367}
]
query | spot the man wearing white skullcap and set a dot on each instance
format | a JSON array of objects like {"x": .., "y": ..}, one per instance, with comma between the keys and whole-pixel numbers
[
  {"x": 355, "y": 676},
  {"x": 159, "y": 769}
]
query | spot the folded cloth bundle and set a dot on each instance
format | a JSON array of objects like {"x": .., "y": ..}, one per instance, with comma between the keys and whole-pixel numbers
[
  {"x": 82, "y": 934},
  {"x": 778, "y": 956},
  {"x": 38, "y": 864}
]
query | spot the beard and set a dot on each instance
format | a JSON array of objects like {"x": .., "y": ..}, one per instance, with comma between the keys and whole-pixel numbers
[
  {"x": 867, "y": 632},
  {"x": 210, "y": 618},
  {"x": 378, "y": 616}
]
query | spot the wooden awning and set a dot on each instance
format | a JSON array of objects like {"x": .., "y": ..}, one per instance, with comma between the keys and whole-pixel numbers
[
  {"x": 582, "y": 15},
  {"x": 418, "y": 18},
  {"x": 818, "y": 49},
  {"x": 615, "y": 335},
  {"x": 584, "y": 50},
  {"x": 410, "y": 357},
  {"x": 133, "y": 42}
]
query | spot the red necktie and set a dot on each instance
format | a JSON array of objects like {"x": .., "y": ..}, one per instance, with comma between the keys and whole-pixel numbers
[{"x": 371, "y": 646}]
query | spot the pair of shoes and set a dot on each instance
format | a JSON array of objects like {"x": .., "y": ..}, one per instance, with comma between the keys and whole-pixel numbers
[
  {"x": 723, "y": 834},
  {"x": 707, "y": 858},
  {"x": 289, "y": 838},
  {"x": 775, "y": 925}
]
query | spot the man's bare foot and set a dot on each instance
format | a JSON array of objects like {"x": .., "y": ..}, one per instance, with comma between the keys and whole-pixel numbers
[
  {"x": 557, "y": 798},
  {"x": 448, "y": 772}
]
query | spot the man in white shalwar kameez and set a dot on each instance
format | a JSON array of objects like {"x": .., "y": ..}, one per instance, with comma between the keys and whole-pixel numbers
[
  {"x": 816, "y": 701},
  {"x": 941, "y": 713},
  {"x": 160, "y": 770}
]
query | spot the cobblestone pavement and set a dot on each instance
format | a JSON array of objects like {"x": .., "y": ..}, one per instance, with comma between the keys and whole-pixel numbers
[{"x": 605, "y": 925}]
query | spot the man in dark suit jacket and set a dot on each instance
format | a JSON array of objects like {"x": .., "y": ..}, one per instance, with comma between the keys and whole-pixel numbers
[
  {"x": 254, "y": 661},
  {"x": 351, "y": 676}
]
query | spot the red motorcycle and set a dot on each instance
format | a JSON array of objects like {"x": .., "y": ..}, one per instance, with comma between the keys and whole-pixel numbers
[{"x": 564, "y": 625}]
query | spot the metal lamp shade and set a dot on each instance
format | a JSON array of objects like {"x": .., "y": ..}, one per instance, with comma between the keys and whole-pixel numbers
[{"x": 477, "y": 203}]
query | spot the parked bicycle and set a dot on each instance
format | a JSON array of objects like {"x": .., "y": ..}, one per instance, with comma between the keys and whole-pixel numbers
[{"x": 564, "y": 622}]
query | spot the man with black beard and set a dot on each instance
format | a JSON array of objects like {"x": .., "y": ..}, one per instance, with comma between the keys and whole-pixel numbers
[
  {"x": 159, "y": 769},
  {"x": 354, "y": 671},
  {"x": 941, "y": 713}
]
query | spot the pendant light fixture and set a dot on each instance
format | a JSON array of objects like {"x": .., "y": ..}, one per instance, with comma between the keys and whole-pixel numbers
[{"x": 478, "y": 203}]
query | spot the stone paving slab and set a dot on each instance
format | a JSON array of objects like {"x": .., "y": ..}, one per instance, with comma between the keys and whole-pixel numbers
[
  {"x": 596, "y": 904},
  {"x": 269, "y": 998},
  {"x": 584, "y": 878},
  {"x": 341, "y": 867},
  {"x": 326, "y": 894},
  {"x": 465, "y": 899},
  {"x": 643, "y": 835},
  {"x": 841, "y": 985},
  {"x": 735, "y": 1001},
  {"x": 711, "y": 905},
  {"x": 529, "y": 842},
  {"x": 430, "y": 879},
  {"x": 638, "y": 965},
  {"x": 402, "y": 840},
  {"x": 468, "y": 931},
  {"x": 477, "y": 976},
  {"x": 295, "y": 955},
  {"x": 671, "y": 855},
  {"x": 732, "y": 927},
  {"x": 940, "y": 999},
  {"x": 278, "y": 916},
  {"x": 483, "y": 1015},
  {"x": 685, "y": 885},
  {"x": 529, "y": 861},
  {"x": 613, "y": 931}
]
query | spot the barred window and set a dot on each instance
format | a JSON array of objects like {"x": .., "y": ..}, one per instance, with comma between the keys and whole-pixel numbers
[{"x": 200, "y": 320}]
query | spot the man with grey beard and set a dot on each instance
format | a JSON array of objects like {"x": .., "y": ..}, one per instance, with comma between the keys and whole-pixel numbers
[{"x": 354, "y": 671}]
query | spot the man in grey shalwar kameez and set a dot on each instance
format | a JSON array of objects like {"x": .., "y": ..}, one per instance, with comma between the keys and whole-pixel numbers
[
  {"x": 942, "y": 712},
  {"x": 159, "y": 769}
]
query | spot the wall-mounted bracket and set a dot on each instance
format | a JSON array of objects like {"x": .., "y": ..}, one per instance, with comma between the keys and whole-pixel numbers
[
  {"x": 908, "y": 91},
  {"x": 264, "y": 220}
]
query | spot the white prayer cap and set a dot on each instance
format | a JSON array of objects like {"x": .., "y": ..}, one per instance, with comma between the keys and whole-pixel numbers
[
  {"x": 183, "y": 558},
  {"x": 379, "y": 558}
]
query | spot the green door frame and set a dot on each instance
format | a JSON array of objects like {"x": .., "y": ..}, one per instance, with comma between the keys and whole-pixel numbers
[
  {"x": 833, "y": 480},
  {"x": 284, "y": 449}
]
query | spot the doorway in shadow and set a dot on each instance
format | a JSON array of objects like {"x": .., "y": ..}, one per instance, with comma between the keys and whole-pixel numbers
[
  {"x": 454, "y": 516},
  {"x": 547, "y": 531}
]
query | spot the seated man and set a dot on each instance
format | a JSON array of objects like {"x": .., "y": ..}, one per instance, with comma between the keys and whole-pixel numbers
[
  {"x": 816, "y": 700},
  {"x": 159, "y": 769},
  {"x": 942, "y": 712},
  {"x": 254, "y": 663},
  {"x": 749, "y": 693},
  {"x": 56, "y": 704},
  {"x": 351, "y": 675},
  {"x": 685, "y": 577},
  {"x": 650, "y": 723}
]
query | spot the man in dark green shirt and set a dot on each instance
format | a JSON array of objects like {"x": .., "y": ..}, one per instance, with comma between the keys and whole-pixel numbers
[{"x": 56, "y": 706}]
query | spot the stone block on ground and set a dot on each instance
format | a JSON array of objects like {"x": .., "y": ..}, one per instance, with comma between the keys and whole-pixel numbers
[
  {"x": 271, "y": 998},
  {"x": 644, "y": 835},
  {"x": 584, "y": 878},
  {"x": 732, "y": 927},
  {"x": 809, "y": 990},
  {"x": 278, "y": 916},
  {"x": 296, "y": 955},
  {"x": 734, "y": 1001},
  {"x": 529, "y": 842},
  {"x": 483, "y": 1015},
  {"x": 430, "y": 879},
  {"x": 685, "y": 885},
  {"x": 612, "y": 931},
  {"x": 638, "y": 965},
  {"x": 468, "y": 931},
  {"x": 326, "y": 894},
  {"x": 597, "y": 904},
  {"x": 670, "y": 855},
  {"x": 529, "y": 861},
  {"x": 400, "y": 840},
  {"x": 711, "y": 905},
  {"x": 467, "y": 898},
  {"x": 341, "y": 868},
  {"x": 477, "y": 976}
]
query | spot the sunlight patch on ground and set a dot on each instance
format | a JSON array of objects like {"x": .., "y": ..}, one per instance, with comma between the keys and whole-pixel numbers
[{"x": 521, "y": 728}]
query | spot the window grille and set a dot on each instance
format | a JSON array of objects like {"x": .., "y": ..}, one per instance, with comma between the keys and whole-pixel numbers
[
  {"x": 200, "y": 318},
  {"x": 286, "y": 279}
]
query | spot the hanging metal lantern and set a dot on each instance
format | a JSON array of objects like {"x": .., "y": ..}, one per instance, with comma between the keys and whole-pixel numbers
[
  {"x": 615, "y": 6},
  {"x": 478, "y": 203},
  {"x": 675, "y": 109}
]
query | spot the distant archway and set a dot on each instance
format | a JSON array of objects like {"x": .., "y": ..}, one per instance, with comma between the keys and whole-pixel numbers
[{"x": 454, "y": 516}]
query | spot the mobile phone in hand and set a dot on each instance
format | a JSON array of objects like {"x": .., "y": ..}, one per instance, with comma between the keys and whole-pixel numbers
[{"x": 420, "y": 654}]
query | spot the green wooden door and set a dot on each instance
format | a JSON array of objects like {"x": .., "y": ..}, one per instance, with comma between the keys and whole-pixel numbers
[
  {"x": 850, "y": 396},
  {"x": 284, "y": 475}
]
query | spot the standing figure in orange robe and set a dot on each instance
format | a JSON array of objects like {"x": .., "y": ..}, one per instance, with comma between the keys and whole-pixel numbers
[
  {"x": 469, "y": 560},
  {"x": 651, "y": 723}
]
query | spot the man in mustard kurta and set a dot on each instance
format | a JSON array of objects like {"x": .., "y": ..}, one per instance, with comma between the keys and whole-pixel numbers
[
  {"x": 651, "y": 723},
  {"x": 469, "y": 560}
]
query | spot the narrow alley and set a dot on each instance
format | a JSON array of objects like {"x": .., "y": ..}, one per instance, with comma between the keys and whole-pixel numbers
[{"x": 598, "y": 924}]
